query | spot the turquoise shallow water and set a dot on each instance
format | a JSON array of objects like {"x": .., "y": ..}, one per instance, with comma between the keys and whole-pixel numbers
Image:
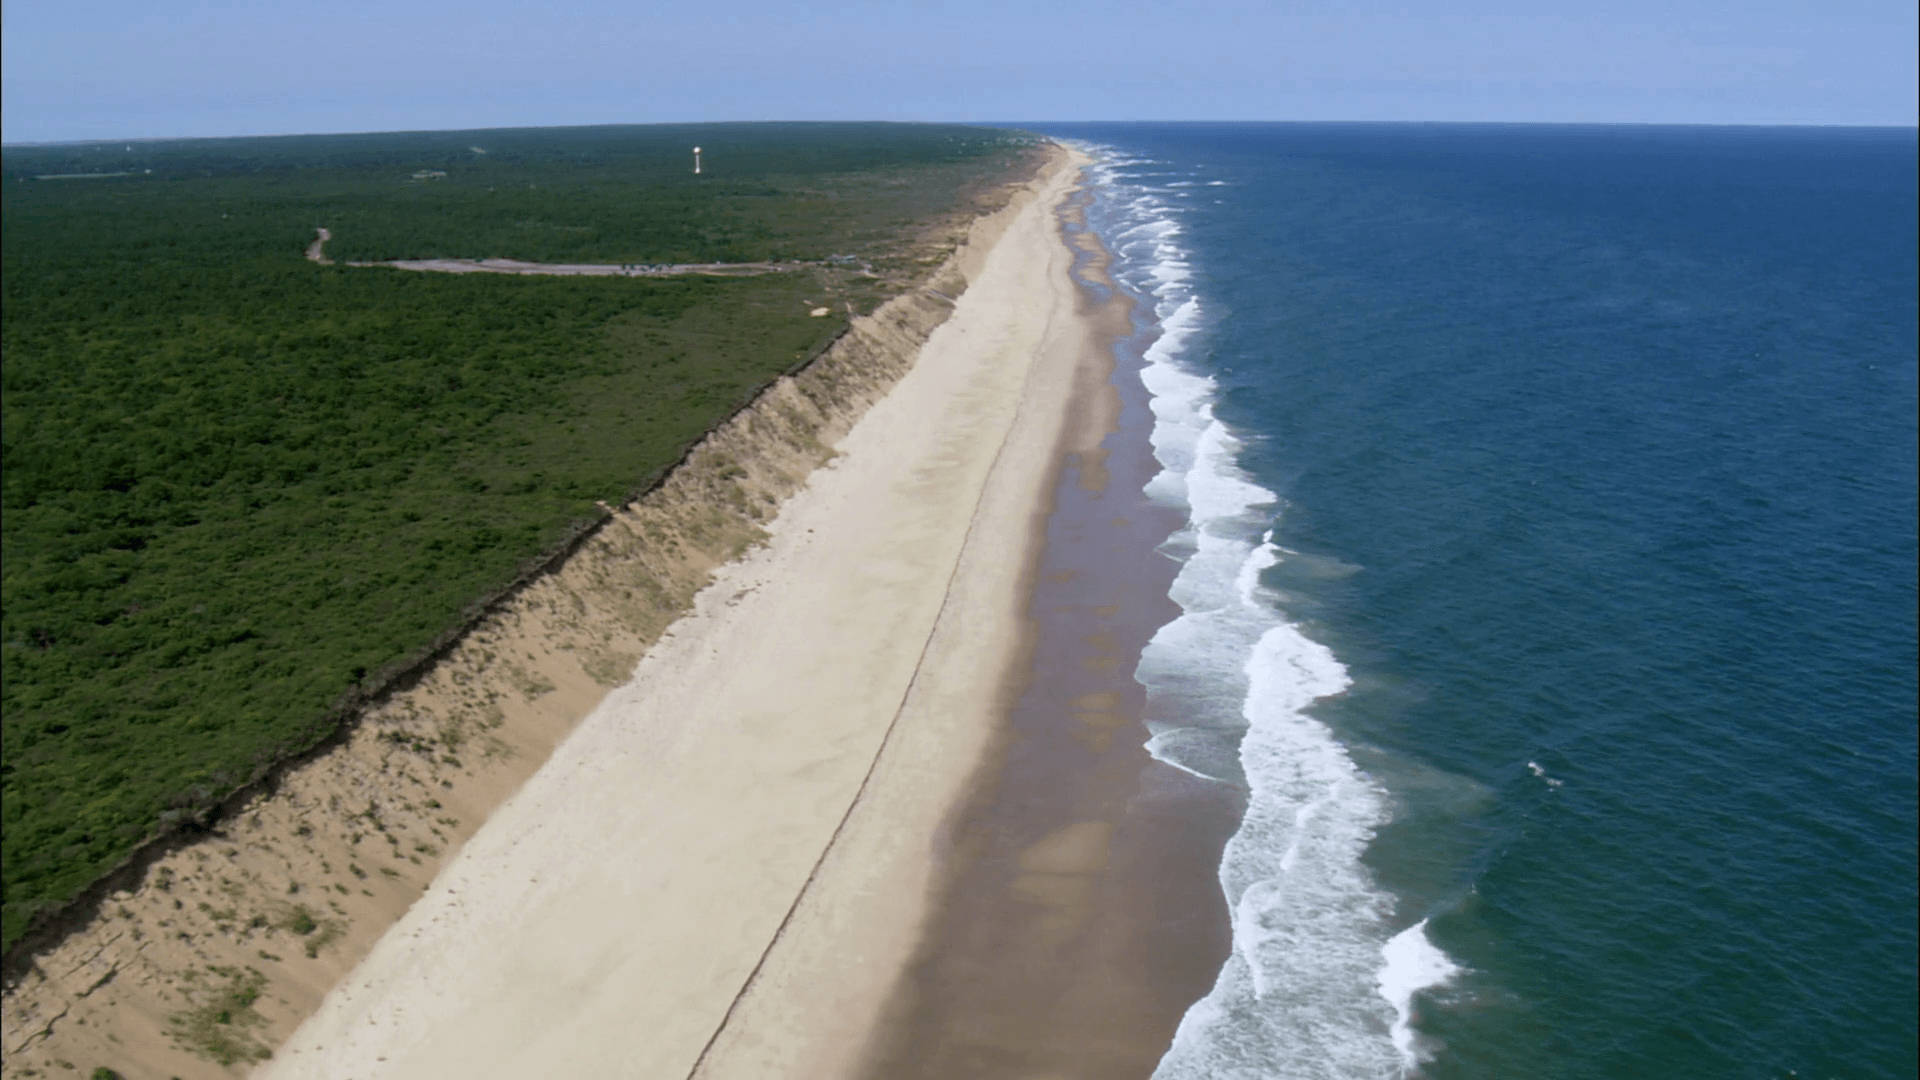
[{"x": 1550, "y": 583}]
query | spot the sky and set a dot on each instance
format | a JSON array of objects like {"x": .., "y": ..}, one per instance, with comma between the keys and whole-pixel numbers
[{"x": 111, "y": 69}]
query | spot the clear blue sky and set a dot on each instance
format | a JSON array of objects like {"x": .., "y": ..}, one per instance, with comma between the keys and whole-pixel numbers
[{"x": 83, "y": 69}]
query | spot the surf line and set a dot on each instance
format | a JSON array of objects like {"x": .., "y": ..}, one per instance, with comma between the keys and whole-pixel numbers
[{"x": 1311, "y": 810}]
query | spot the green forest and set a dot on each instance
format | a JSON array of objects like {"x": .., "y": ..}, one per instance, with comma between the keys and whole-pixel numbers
[{"x": 239, "y": 486}]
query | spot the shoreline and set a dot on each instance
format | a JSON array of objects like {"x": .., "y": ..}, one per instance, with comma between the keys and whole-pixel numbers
[
  {"x": 1077, "y": 914},
  {"x": 651, "y": 868}
]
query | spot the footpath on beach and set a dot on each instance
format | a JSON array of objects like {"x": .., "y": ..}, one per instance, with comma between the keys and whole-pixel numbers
[{"x": 721, "y": 870}]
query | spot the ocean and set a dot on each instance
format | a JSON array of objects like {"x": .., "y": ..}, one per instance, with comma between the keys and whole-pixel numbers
[{"x": 1547, "y": 588}]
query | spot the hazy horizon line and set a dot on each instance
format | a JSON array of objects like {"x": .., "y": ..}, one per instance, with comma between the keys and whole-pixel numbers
[{"x": 1001, "y": 124}]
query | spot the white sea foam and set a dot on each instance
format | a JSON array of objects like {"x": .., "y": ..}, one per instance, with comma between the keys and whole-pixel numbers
[
  {"x": 1318, "y": 983},
  {"x": 1155, "y": 229},
  {"x": 1413, "y": 964}
]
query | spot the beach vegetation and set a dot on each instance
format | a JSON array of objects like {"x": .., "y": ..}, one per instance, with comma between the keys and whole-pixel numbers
[
  {"x": 299, "y": 920},
  {"x": 221, "y": 1025}
]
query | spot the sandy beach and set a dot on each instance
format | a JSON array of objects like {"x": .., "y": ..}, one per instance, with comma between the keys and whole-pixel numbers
[
  {"x": 673, "y": 892},
  {"x": 1076, "y": 913}
]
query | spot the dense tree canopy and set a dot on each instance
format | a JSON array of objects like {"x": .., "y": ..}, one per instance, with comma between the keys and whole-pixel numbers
[{"x": 237, "y": 483}]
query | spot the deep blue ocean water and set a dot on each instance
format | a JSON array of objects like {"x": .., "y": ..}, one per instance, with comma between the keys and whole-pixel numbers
[{"x": 1549, "y": 583}]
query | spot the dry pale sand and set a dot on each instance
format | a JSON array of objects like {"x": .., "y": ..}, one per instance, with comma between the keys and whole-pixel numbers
[{"x": 722, "y": 870}]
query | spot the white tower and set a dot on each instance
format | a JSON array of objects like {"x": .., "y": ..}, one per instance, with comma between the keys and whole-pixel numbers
[{"x": 696, "y": 161}]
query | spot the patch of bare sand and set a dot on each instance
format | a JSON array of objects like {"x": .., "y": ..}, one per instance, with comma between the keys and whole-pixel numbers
[
  {"x": 228, "y": 944},
  {"x": 317, "y": 252}
]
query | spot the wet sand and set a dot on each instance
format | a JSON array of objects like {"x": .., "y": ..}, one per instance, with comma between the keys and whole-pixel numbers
[{"x": 1078, "y": 912}]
